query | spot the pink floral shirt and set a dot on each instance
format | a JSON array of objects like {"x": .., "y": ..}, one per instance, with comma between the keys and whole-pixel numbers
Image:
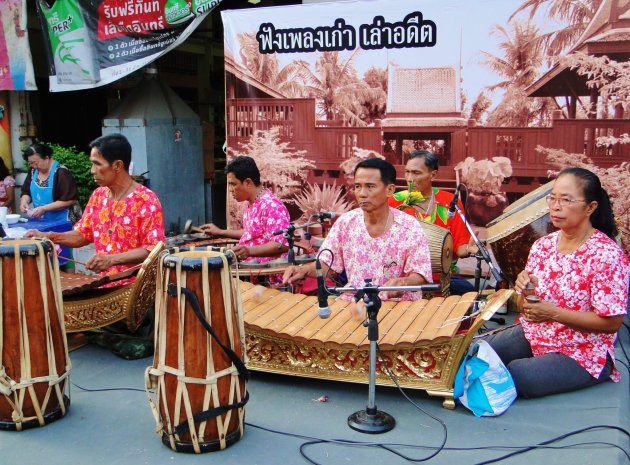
[
  {"x": 119, "y": 226},
  {"x": 594, "y": 278},
  {"x": 266, "y": 215},
  {"x": 7, "y": 182},
  {"x": 402, "y": 250}
]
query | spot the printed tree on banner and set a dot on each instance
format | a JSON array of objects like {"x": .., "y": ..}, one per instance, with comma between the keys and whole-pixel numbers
[
  {"x": 282, "y": 169},
  {"x": 610, "y": 78},
  {"x": 339, "y": 92},
  {"x": 612, "y": 82},
  {"x": 571, "y": 16},
  {"x": 518, "y": 65},
  {"x": 266, "y": 67}
]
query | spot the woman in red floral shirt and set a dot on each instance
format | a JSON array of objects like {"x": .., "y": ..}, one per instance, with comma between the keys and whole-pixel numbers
[{"x": 566, "y": 341}]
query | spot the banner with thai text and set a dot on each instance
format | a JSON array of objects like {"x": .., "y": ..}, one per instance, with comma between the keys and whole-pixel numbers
[
  {"x": 16, "y": 65},
  {"x": 95, "y": 42},
  {"x": 312, "y": 89}
]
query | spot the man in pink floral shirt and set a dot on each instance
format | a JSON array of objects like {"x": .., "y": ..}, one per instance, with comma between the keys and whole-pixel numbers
[
  {"x": 123, "y": 219},
  {"x": 374, "y": 241},
  {"x": 264, "y": 214}
]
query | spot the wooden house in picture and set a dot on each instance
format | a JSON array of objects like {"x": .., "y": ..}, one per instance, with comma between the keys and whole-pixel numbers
[{"x": 423, "y": 104}]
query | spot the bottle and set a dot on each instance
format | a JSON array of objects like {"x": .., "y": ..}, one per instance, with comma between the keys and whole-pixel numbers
[{"x": 529, "y": 289}]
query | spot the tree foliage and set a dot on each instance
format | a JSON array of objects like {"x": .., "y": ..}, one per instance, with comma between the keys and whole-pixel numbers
[
  {"x": 266, "y": 68},
  {"x": 282, "y": 169},
  {"x": 518, "y": 65},
  {"x": 574, "y": 16},
  {"x": 614, "y": 179},
  {"x": 375, "y": 106},
  {"x": 609, "y": 77},
  {"x": 337, "y": 89},
  {"x": 79, "y": 165}
]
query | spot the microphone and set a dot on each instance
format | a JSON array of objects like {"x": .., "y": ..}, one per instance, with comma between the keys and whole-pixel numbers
[
  {"x": 323, "y": 311},
  {"x": 451, "y": 208},
  {"x": 324, "y": 215}
]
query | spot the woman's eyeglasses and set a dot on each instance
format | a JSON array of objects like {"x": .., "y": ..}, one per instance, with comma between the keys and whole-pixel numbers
[{"x": 563, "y": 201}]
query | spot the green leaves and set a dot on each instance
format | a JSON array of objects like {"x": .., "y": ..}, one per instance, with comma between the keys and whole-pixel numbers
[{"x": 79, "y": 165}]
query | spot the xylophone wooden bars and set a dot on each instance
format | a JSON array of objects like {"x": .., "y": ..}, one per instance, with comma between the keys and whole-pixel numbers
[{"x": 421, "y": 341}]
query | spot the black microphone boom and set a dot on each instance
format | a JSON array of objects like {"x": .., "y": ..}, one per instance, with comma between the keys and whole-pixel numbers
[
  {"x": 451, "y": 207},
  {"x": 324, "y": 215},
  {"x": 323, "y": 311}
]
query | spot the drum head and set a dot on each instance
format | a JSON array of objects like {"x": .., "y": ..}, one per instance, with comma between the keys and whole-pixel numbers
[
  {"x": 512, "y": 237},
  {"x": 193, "y": 260},
  {"x": 24, "y": 246},
  {"x": 524, "y": 202}
]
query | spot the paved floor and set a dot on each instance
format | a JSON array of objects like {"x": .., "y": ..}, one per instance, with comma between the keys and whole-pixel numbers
[{"x": 115, "y": 427}]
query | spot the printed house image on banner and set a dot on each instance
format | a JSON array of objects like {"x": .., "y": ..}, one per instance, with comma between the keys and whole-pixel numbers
[{"x": 420, "y": 103}]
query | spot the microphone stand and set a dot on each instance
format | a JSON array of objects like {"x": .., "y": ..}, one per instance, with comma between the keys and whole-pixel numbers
[
  {"x": 482, "y": 254},
  {"x": 288, "y": 235},
  {"x": 371, "y": 420}
]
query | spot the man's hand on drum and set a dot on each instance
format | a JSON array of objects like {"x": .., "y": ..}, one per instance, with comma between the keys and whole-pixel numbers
[
  {"x": 99, "y": 263},
  {"x": 211, "y": 229},
  {"x": 471, "y": 247},
  {"x": 523, "y": 279},
  {"x": 294, "y": 274},
  {"x": 36, "y": 233},
  {"x": 241, "y": 252}
]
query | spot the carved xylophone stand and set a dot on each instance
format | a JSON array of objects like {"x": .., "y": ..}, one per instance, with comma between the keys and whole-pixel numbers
[{"x": 371, "y": 420}]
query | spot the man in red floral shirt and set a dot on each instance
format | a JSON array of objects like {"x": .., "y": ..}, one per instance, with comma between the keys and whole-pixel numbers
[
  {"x": 123, "y": 219},
  {"x": 427, "y": 203}
]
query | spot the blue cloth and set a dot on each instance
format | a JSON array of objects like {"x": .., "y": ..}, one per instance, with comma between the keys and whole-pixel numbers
[
  {"x": 55, "y": 225},
  {"x": 44, "y": 195}
]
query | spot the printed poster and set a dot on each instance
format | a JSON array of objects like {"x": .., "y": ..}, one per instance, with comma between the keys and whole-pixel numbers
[
  {"x": 16, "y": 65},
  {"x": 91, "y": 43}
]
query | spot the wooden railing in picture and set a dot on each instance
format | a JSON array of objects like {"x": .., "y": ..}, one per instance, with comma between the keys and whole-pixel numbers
[
  {"x": 581, "y": 136},
  {"x": 517, "y": 144},
  {"x": 294, "y": 117},
  {"x": 573, "y": 136}
]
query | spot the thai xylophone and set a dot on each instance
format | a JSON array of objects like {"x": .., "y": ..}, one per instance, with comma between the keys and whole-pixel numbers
[{"x": 422, "y": 342}]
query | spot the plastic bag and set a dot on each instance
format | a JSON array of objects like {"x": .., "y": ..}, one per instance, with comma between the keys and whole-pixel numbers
[{"x": 483, "y": 384}]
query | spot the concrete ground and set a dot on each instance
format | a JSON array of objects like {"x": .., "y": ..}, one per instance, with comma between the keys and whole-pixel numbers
[{"x": 111, "y": 424}]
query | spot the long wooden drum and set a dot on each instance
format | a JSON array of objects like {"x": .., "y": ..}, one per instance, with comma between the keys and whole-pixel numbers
[
  {"x": 440, "y": 247},
  {"x": 198, "y": 374},
  {"x": 513, "y": 236},
  {"x": 34, "y": 376}
]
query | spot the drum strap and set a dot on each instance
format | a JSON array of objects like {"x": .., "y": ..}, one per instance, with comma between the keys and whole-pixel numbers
[
  {"x": 243, "y": 372},
  {"x": 209, "y": 414}
]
